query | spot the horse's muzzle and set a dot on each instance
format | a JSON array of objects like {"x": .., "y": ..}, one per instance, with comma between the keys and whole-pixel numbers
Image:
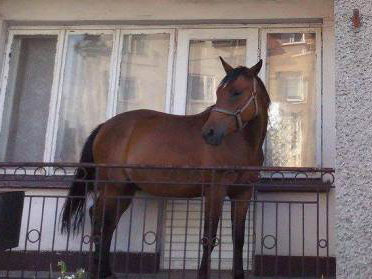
[{"x": 212, "y": 136}]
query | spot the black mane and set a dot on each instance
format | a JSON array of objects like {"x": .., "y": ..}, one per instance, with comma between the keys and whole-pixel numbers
[{"x": 234, "y": 74}]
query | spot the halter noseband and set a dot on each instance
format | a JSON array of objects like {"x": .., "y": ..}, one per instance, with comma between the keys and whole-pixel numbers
[{"x": 238, "y": 112}]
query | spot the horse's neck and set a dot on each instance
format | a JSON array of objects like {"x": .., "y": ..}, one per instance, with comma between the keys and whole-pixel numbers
[
  {"x": 255, "y": 132},
  {"x": 201, "y": 117}
]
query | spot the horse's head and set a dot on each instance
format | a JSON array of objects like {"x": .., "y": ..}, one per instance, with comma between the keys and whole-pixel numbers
[{"x": 238, "y": 102}]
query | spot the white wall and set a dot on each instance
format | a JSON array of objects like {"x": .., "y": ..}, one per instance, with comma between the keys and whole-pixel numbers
[
  {"x": 44, "y": 221},
  {"x": 294, "y": 223},
  {"x": 182, "y": 233},
  {"x": 56, "y": 10}
]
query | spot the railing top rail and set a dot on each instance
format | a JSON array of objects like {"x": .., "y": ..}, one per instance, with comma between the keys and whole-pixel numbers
[{"x": 164, "y": 167}]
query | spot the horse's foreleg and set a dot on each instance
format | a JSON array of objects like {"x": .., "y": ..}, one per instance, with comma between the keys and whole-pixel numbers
[
  {"x": 238, "y": 215},
  {"x": 106, "y": 214},
  {"x": 213, "y": 207}
]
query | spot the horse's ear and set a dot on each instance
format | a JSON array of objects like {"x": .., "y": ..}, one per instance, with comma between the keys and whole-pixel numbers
[
  {"x": 226, "y": 66},
  {"x": 256, "y": 68}
]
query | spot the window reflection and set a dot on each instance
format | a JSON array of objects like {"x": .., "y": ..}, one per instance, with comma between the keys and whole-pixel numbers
[
  {"x": 26, "y": 108},
  {"x": 291, "y": 61},
  {"x": 143, "y": 72},
  {"x": 84, "y": 94},
  {"x": 205, "y": 70}
]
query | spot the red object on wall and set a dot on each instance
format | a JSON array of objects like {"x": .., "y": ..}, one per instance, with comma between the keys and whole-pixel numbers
[{"x": 356, "y": 18}]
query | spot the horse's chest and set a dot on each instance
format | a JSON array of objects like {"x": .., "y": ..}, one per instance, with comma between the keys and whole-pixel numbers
[{"x": 232, "y": 152}]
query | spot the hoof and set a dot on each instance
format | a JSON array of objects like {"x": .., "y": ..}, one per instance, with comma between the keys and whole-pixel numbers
[
  {"x": 103, "y": 275},
  {"x": 203, "y": 275},
  {"x": 239, "y": 276}
]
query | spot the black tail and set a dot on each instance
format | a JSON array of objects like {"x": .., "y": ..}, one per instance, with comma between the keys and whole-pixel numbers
[{"x": 73, "y": 209}]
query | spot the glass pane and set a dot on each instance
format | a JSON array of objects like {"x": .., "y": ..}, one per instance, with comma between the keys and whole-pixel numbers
[
  {"x": 291, "y": 62},
  {"x": 84, "y": 94},
  {"x": 143, "y": 76},
  {"x": 27, "y": 98},
  {"x": 205, "y": 70}
]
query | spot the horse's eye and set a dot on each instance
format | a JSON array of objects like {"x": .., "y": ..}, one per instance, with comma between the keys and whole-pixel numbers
[{"x": 236, "y": 93}]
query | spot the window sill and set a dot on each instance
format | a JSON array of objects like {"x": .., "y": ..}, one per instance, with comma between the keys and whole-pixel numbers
[
  {"x": 61, "y": 182},
  {"x": 312, "y": 185}
]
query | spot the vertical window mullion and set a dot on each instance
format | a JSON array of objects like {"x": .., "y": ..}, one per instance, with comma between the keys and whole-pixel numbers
[
  {"x": 114, "y": 74},
  {"x": 50, "y": 137},
  {"x": 5, "y": 84},
  {"x": 170, "y": 72},
  {"x": 5, "y": 75},
  {"x": 319, "y": 101}
]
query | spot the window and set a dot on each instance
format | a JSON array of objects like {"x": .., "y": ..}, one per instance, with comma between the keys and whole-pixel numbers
[
  {"x": 292, "y": 38},
  {"x": 84, "y": 93},
  {"x": 143, "y": 72},
  {"x": 293, "y": 86},
  {"x": 27, "y": 97},
  {"x": 293, "y": 134},
  {"x": 58, "y": 85},
  {"x": 205, "y": 69},
  {"x": 201, "y": 90},
  {"x": 201, "y": 87}
]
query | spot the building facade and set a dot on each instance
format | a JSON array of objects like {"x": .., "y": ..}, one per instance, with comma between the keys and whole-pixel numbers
[{"x": 67, "y": 66}]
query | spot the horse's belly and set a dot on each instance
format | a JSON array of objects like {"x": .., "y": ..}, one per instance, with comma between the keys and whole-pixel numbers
[
  {"x": 167, "y": 182},
  {"x": 171, "y": 190}
]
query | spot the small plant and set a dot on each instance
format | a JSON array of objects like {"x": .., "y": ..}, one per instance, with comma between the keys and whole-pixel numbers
[{"x": 79, "y": 274}]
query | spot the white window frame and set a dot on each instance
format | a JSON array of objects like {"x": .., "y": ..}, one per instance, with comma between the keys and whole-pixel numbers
[
  {"x": 183, "y": 48},
  {"x": 56, "y": 72},
  {"x": 55, "y": 104},
  {"x": 318, "y": 79}
]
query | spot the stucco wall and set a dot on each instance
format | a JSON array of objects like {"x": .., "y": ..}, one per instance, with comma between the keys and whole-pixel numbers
[{"x": 354, "y": 134}]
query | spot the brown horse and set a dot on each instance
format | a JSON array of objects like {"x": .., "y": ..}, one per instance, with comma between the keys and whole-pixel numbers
[{"x": 230, "y": 133}]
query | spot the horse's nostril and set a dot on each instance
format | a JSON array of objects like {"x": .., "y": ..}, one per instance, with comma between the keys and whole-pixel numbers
[
  {"x": 210, "y": 132},
  {"x": 212, "y": 136}
]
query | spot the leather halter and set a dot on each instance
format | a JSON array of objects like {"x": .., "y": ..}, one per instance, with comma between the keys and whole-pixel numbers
[{"x": 238, "y": 112}]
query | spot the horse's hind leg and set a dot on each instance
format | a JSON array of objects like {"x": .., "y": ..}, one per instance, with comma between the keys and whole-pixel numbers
[{"x": 106, "y": 214}]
